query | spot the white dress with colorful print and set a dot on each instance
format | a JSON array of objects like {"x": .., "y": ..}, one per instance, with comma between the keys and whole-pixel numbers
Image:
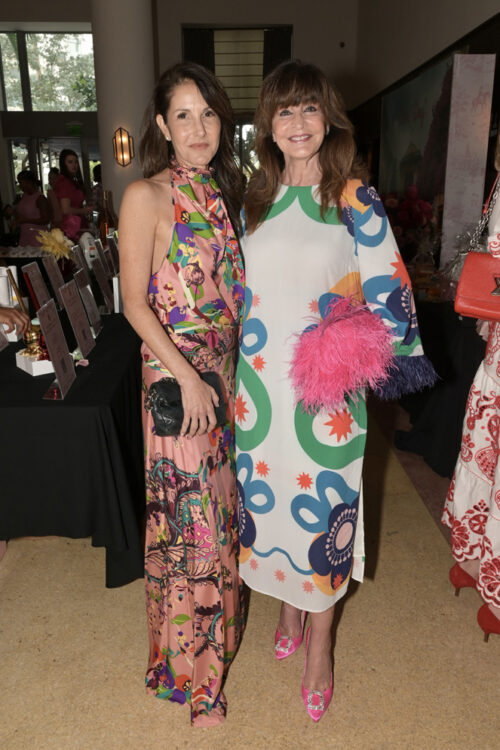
[{"x": 299, "y": 475}]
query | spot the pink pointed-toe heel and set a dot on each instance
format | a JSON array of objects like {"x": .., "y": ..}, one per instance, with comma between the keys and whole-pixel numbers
[
  {"x": 460, "y": 579},
  {"x": 315, "y": 701},
  {"x": 285, "y": 645},
  {"x": 488, "y": 622}
]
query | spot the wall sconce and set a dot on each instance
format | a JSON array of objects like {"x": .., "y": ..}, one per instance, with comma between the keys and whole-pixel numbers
[{"x": 123, "y": 147}]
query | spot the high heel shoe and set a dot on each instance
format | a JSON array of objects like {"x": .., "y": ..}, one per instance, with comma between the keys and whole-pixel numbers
[
  {"x": 460, "y": 579},
  {"x": 487, "y": 621},
  {"x": 315, "y": 701},
  {"x": 285, "y": 645}
]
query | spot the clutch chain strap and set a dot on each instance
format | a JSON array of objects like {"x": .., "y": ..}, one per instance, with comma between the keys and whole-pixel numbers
[{"x": 483, "y": 221}]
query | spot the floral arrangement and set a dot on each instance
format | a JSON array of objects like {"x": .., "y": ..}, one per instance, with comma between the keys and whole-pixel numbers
[{"x": 56, "y": 243}]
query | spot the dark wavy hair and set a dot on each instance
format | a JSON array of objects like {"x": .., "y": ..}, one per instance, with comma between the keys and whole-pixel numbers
[
  {"x": 27, "y": 174},
  {"x": 78, "y": 177},
  {"x": 157, "y": 154},
  {"x": 290, "y": 84}
]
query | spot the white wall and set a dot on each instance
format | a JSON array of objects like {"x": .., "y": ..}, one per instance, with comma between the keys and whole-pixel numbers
[
  {"x": 394, "y": 38},
  {"x": 319, "y": 26},
  {"x": 41, "y": 11},
  {"x": 384, "y": 39}
]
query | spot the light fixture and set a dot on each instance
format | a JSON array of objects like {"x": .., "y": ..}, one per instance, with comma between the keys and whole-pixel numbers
[{"x": 123, "y": 147}]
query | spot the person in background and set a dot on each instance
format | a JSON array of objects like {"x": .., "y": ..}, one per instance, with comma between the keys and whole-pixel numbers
[
  {"x": 55, "y": 207},
  {"x": 70, "y": 192},
  {"x": 472, "y": 507},
  {"x": 316, "y": 236},
  {"x": 181, "y": 276},
  {"x": 32, "y": 213}
]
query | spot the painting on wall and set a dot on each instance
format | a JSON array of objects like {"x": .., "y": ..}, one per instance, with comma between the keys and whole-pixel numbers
[{"x": 414, "y": 137}]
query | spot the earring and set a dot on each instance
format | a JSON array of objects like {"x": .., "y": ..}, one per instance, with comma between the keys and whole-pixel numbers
[
  {"x": 274, "y": 137},
  {"x": 167, "y": 138}
]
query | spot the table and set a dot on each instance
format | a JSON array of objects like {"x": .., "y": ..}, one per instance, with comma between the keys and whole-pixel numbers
[
  {"x": 437, "y": 413},
  {"x": 74, "y": 468}
]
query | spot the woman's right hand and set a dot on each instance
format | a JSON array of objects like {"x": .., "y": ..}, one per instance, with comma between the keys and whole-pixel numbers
[{"x": 198, "y": 401}]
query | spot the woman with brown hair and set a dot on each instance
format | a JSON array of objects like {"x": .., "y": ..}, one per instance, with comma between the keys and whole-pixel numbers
[
  {"x": 32, "y": 212},
  {"x": 70, "y": 192},
  {"x": 182, "y": 284},
  {"x": 316, "y": 237}
]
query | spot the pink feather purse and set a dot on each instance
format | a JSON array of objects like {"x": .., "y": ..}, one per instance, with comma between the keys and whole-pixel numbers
[{"x": 350, "y": 349}]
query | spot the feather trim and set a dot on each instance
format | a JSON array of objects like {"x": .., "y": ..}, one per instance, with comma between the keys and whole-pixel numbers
[
  {"x": 407, "y": 374},
  {"x": 349, "y": 350}
]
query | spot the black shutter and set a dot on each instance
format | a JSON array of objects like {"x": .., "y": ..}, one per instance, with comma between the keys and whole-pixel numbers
[
  {"x": 277, "y": 47},
  {"x": 198, "y": 47}
]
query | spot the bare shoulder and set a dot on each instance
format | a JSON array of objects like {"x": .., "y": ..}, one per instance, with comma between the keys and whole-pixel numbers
[{"x": 146, "y": 189}]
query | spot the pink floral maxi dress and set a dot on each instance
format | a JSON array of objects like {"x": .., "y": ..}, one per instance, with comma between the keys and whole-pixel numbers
[
  {"x": 193, "y": 589},
  {"x": 472, "y": 508}
]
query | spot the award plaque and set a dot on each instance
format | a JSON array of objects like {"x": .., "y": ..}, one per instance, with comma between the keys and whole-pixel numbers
[
  {"x": 103, "y": 282},
  {"x": 78, "y": 259},
  {"x": 112, "y": 244},
  {"x": 58, "y": 351},
  {"x": 36, "y": 285},
  {"x": 102, "y": 256},
  {"x": 89, "y": 302},
  {"x": 77, "y": 317},
  {"x": 55, "y": 276},
  {"x": 109, "y": 260}
]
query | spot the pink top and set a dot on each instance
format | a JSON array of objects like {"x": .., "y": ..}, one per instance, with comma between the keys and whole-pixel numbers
[
  {"x": 70, "y": 223},
  {"x": 27, "y": 207}
]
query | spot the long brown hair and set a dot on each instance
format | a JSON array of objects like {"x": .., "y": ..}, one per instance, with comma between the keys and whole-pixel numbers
[
  {"x": 157, "y": 154},
  {"x": 290, "y": 84},
  {"x": 76, "y": 178}
]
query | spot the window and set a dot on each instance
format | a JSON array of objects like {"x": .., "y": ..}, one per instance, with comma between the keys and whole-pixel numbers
[
  {"x": 11, "y": 73},
  {"x": 243, "y": 146},
  {"x": 61, "y": 72},
  {"x": 42, "y": 73},
  {"x": 48, "y": 72},
  {"x": 239, "y": 62}
]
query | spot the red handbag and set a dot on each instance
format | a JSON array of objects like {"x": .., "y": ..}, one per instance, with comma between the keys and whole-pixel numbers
[{"x": 478, "y": 291}]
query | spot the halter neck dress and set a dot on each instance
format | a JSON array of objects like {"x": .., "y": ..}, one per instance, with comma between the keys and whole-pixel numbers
[{"x": 193, "y": 588}]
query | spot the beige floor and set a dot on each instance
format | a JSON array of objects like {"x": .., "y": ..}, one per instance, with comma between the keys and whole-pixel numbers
[{"x": 411, "y": 668}]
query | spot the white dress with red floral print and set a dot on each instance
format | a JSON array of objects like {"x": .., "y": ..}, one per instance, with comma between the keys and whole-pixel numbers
[{"x": 472, "y": 508}]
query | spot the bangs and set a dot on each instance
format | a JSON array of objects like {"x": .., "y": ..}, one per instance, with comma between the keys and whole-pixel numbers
[{"x": 298, "y": 87}]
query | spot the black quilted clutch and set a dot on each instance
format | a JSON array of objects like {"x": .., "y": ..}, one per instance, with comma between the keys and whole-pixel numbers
[{"x": 165, "y": 402}]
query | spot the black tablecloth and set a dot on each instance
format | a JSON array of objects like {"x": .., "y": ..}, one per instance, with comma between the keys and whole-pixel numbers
[
  {"x": 437, "y": 414},
  {"x": 74, "y": 468}
]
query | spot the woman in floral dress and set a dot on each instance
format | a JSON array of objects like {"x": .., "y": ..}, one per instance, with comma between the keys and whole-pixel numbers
[
  {"x": 472, "y": 508},
  {"x": 182, "y": 283},
  {"x": 299, "y": 474}
]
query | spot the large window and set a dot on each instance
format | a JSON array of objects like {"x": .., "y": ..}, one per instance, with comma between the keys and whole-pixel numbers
[
  {"x": 47, "y": 101},
  {"x": 11, "y": 73},
  {"x": 48, "y": 72}
]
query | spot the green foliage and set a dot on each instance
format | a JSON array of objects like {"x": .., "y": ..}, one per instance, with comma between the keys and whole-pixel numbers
[
  {"x": 10, "y": 70},
  {"x": 62, "y": 76},
  {"x": 61, "y": 72}
]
